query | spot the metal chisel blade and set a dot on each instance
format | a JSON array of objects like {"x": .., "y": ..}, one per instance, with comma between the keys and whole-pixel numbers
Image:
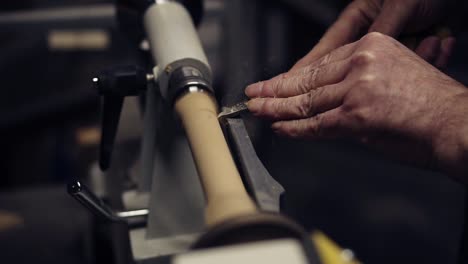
[
  {"x": 234, "y": 110},
  {"x": 266, "y": 191}
]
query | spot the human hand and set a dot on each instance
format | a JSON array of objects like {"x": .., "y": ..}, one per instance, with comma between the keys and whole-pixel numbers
[
  {"x": 393, "y": 18},
  {"x": 378, "y": 92}
]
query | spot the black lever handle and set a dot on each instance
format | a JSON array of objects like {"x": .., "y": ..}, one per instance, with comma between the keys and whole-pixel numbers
[
  {"x": 111, "y": 109},
  {"x": 114, "y": 84}
]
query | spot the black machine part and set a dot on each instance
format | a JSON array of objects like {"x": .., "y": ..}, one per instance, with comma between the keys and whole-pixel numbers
[
  {"x": 187, "y": 73},
  {"x": 114, "y": 85},
  {"x": 257, "y": 227}
]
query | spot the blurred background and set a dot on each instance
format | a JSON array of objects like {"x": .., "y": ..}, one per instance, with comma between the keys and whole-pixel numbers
[{"x": 50, "y": 123}]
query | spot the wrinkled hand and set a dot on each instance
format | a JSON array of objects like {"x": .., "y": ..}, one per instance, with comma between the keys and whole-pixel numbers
[
  {"x": 393, "y": 18},
  {"x": 376, "y": 91}
]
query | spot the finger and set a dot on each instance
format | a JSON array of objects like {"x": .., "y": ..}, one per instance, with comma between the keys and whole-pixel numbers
[
  {"x": 446, "y": 50},
  {"x": 335, "y": 55},
  {"x": 350, "y": 25},
  {"x": 301, "y": 106},
  {"x": 300, "y": 82},
  {"x": 393, "y": 17},
  {"x": 325, "y": 125},
  {"x": 429, "y": 49}
]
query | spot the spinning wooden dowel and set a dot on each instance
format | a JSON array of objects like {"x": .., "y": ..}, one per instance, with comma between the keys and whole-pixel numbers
[{"x": 224, "y": 191}]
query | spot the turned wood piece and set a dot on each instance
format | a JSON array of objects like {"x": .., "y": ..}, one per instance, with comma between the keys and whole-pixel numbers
[{"x": 223, "y": 187}]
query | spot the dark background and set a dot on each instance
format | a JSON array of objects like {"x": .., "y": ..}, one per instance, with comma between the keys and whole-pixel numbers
[{"x": 386, "y": 212}]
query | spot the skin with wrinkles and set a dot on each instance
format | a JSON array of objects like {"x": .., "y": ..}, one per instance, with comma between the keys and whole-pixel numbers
[
  {"x": 393, "y": 18},
  {"x": 377, "y": 91}
]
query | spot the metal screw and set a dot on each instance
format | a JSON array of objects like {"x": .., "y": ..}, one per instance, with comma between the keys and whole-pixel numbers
[
  {"x": 149, "y": 77},
  {"x": 96, "y": 81}
]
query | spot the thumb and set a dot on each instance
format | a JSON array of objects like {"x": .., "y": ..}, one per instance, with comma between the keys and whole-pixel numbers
[
  {"x": 393, "y": 17},
  {"x": 352, "y": 22}
]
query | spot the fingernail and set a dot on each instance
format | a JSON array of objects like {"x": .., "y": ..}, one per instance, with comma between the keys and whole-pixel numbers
[
  {"x": 255, "y": 105},
  {"x": 254, "y": 90},
  {"x": 276, "y": 126}
]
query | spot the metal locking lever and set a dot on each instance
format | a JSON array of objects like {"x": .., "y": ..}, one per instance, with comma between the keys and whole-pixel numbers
[
  {"x": 114, "y": 85},
  {"x": 87, "y": 198}
]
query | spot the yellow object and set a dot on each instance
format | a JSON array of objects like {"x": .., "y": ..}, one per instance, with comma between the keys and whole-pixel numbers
[{"x": 329, "y": 252}]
